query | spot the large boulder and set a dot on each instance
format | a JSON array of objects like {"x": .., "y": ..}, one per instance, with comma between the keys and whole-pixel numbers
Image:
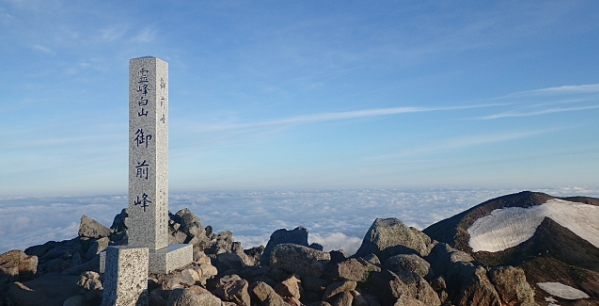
[
  {"x": 409, "y": 262},
  {"x": 354, "y": 269},
  {"x": 389, "y": 237},
  {"x": 445, "y": 260},
  {"x": 266, "y": 295},
  {"x": 389, "y": 287},
  {"x": 92, "y": 229},
  {"x": 17, "y": 265},
  {"x": 298, "y": 235},
  {"x": 190, "y": 224},
  {"x": 302, "y": 260},
  {"x": 232, "y": 288}
]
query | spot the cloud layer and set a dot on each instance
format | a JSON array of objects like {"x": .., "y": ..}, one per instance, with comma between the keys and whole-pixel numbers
[{"x": 337, "y": 219}]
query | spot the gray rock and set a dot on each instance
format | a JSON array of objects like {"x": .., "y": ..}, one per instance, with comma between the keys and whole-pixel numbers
[
  {"x": 238, "y": 262},
  {"x": 299, "y": 259},
  {"x": 354, "y": 269},
  {"x": 299, "y": 236},
  {"x": 409, "y": 262},
  {"x": 448, "y": 261},
  {"x": 290, "y": 287},
  {"x": 266, "y": 295},
  {"x": 97, "y": 247},
  {"x": 511, "y": 285},
  {"x": 319, "y": 303},
  {"x": 373, "y": 259},
  {"x": 338, "y": 287},
  {"x": 232, "y": 288},
  {"x": 92, "y": 229},
  {"x": 187, "y": 297},
  {"x": 190, "y": 224},
  {"x": 390, "y": 286},
  {"x": 388, "y": 237},
  {"x": 316, "y": 246},
  {"x": 343, "y": 299}
]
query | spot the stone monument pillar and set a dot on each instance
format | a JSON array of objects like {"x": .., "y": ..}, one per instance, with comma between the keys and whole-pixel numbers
[{"x": 148, "y": 165}]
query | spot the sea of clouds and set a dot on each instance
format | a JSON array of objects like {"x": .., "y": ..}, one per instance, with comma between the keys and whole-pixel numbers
[{"x": 337, "y": 219}]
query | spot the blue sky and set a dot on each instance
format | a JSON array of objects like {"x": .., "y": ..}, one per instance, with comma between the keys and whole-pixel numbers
[{"x": 287, "y": 95}]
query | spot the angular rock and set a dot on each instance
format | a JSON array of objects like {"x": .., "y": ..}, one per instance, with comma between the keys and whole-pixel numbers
[
  {"x": 388, "y": 237},
  {"x": 190, "y": 224},
  {"x": 448, "y": 261},
  {"x": 298, "y": 259},
  {"x": 373, "y": 259},
  {"x": 390, "y": 286},
  {"x": 299, "y": 236},
  {"x": 511, "y": 285},
  {"x": 354, "y": 269},
  {"x": 232, "y": 288},
  {"x": 290, "y": 287},
  {"x": 438, "y": 283},
  {"x": 358, "y": 300},
  {"x": 409, "y": 262},
  {"x": 92, "y": 229},
  {"x": 187, "y": 297},
  {"x": 343, "y": 299},
  {"x": 337, "y": 287},
  {"x": 97, "y": 247},
  {"x": 17, "y": 265},
  {"x": 266, "y": 295},
  {"x": 90, "y": 280},
  {"x": 477, "y": 290}
]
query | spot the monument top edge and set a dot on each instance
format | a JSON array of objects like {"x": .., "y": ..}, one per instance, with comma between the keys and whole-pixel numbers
[{"x": 147, "y": 56}]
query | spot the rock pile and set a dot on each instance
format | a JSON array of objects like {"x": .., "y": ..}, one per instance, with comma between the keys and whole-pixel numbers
[{"x": 395, "y": 265}]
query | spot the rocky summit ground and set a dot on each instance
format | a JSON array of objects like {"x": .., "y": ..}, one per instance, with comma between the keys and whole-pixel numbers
[{"x": 395, "y": 265}]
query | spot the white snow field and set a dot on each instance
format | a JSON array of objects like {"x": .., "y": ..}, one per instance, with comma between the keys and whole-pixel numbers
[
  {"x": 508, "y": 227},
  {"x": 562, "y": 291}
]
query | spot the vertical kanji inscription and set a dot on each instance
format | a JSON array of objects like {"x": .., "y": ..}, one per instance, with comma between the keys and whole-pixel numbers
[{"x": 148, "y": 153}]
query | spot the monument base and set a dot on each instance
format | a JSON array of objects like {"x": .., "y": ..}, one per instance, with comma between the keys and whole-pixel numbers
[
  {"x": 126, "y": 276},
  {"x": 164, "y": 260},
  {"x": 170, "y": 258}
]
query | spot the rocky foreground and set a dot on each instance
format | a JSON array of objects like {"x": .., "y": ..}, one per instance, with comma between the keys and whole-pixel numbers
[{"x": 395, "y": 265}]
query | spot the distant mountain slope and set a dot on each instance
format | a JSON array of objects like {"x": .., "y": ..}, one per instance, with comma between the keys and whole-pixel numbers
[
  {"x": 552, "y": 253},
  {"x": 454, "y": 230}
]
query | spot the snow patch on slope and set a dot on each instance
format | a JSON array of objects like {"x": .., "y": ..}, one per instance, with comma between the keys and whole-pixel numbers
[
  {"x": 562, "y": 291},
  {"x": 507, "y": 227}
]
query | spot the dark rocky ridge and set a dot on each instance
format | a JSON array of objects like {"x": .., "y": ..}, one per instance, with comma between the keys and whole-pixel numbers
[{"x": 396, "y": 265}]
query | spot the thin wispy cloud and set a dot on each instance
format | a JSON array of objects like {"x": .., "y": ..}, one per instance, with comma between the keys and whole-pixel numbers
[
  {"x": 559, "y": 90},
  {"x": 539, "y": 112},
  {"x": 462, "y": 142},
  {"x": 336, "y": 116},
  {"x": 145, "y": 36},
  {"x": 43, "y": 49}
]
